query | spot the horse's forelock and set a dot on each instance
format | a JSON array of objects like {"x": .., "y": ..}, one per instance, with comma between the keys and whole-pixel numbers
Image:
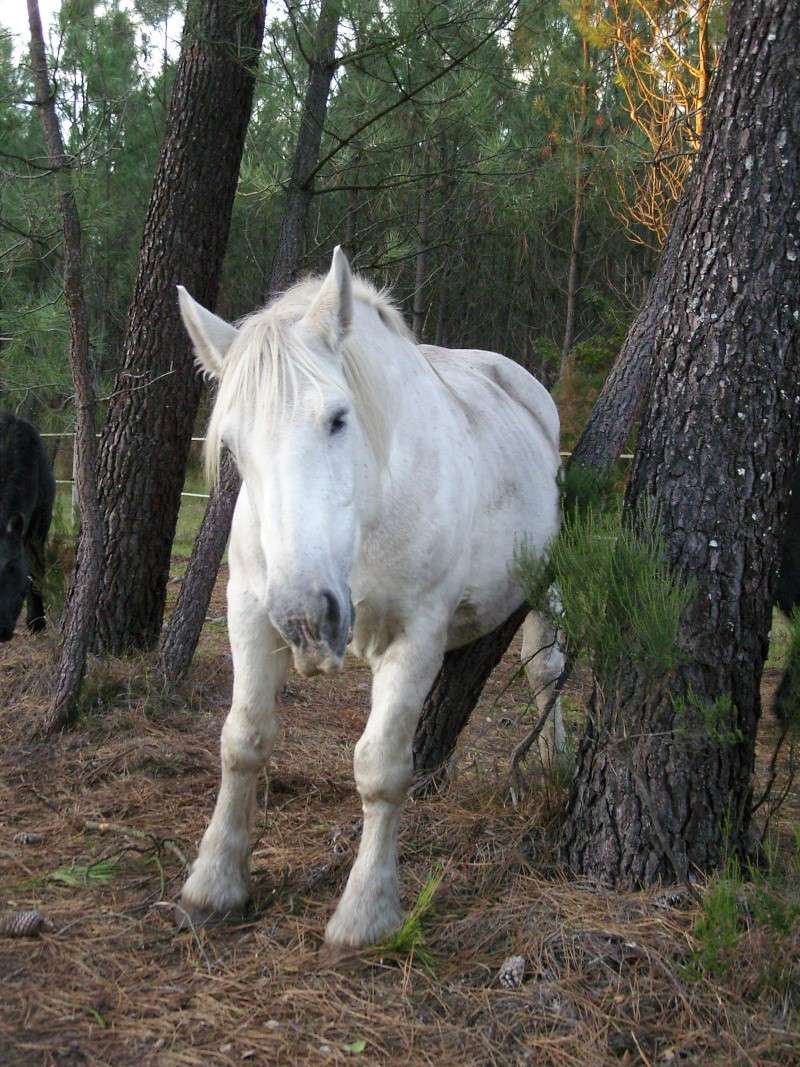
[{"x": 261, "y": 368}]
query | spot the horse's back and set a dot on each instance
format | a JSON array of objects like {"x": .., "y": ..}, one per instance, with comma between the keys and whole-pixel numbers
[
  {"x": 513, "y": 430},
  {"x": 476, "y": 375}
]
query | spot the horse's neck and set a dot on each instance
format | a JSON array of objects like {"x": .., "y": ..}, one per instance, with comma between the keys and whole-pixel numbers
[
  {"x": 419, "y": 423},
  {"x": 410, "y": 395},
  {"x": 401, "y": 388}
]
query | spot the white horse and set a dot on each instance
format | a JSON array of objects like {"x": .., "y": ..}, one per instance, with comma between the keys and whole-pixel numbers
[{"x": 385, "y": 487}]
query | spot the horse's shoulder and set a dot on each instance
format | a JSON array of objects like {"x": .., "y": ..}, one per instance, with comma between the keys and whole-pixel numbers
[
  {"x": 511, "y": 377},
  {"x": 27, "y": 476}
]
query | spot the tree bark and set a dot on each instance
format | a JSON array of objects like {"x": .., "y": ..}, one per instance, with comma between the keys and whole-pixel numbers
[
  {"x": 182, "y": 632},
  {"x": 664, "y": 780},
  {"x": 290, "y": 252},
  {"x": 78, "y": 628},
  {"x": 618, "y": 407},
  {"x": 447, "y": 184},
  {"x": 145, "y": 444},
  {"x": 574, "y": 270}
]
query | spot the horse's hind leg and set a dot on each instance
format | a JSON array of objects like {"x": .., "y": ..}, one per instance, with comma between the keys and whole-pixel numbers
[
  {"x": 544, "y": 662},
  {"x": 35, "y": 612},
  {"x": 787, "y": 698},
  {"x": 35, "y": 553},
  {"x": 369, "y": 908},
  {"x": 219, "y": 882}
]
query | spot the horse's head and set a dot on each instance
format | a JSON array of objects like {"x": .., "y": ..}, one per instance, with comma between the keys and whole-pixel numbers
[
  {"x": 14, "y": 580},
  {"x": 285, "y": 410}
]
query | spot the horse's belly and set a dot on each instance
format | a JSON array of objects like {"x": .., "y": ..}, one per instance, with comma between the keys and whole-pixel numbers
[
  {"x": 491, "y": 592},
  {"x": 475, "y": 617}
]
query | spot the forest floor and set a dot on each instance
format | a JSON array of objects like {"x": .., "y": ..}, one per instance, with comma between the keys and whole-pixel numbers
[{"x": 110, "y": 807}]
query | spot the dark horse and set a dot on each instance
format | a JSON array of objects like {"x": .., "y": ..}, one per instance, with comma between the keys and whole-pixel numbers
[
  {"x": 27, "y": 491},
  {"x": 787, "y": 597}
]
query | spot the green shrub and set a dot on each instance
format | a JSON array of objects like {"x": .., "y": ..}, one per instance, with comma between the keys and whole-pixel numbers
[{"x": 619, "y": 600}]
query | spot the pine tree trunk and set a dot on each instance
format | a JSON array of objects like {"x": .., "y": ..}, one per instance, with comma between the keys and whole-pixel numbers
[
  {"x": 145, "y": 444},
  {"x": 664, "y": 780},
  {"x": 300, "y": 190},
  {"x": 446, "y": 230},
  {"x": 617, "y": 408},
  {"x": 78, "y": 629},
  {"x": 182, "y": 632}
]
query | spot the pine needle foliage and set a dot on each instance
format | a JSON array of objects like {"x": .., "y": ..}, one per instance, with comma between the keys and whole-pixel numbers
[
  {"x": 584, "y": 489},
  {"x": 753, "y": 906},
  {"x": 618, "y": 599},
  {"x": 409, "y": 939},
  {"x": 36, "y": 340}
]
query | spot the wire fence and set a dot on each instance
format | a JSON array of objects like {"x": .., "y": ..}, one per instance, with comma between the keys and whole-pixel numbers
[
  {"x": 71, "y": 481},
  {"x": 205, "y": 496}
]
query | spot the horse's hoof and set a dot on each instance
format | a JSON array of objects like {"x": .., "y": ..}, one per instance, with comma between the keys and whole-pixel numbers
[
  {"x": 349, "y": 930},
  {"x": 192, "y": 917},
  {"x": 335, "y": 955},
  {"x": 188, "y": 917}
]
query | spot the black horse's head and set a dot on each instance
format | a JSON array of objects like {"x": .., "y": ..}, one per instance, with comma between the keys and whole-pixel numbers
[{"x": 14, "y": 579}]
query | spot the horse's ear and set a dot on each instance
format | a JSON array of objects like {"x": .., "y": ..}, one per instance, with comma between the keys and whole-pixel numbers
[
  {"x": 211, "y": 335},
  {"x": 331, "y": 313}
]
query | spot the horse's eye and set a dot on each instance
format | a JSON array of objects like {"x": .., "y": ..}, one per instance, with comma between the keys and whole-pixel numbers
[{"x": 337, "y": 422}]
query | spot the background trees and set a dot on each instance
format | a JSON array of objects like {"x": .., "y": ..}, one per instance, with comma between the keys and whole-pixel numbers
[
  {"x": 146, "y": 438},
  {"x": 79, "y": 622},
  {"x": 454, "y": 144}
]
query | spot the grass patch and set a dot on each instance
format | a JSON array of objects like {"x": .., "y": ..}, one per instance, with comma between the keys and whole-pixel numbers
[
  {"x": 780, "y": 641},
  {"x": 63, "y": 531},
  {"x": 719, "y": 928},
  {"x": 59, "y": 556},
  {"x": 88, "y": 874},
  {"x": 747, "y": 931},
  {"x": 409, "y": 939}
]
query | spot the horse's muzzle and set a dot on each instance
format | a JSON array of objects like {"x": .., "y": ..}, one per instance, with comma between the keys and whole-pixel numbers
[{"x": 318, "y": 637}]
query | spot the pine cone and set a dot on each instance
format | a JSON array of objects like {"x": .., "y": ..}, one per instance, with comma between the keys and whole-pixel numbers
[
  {"x": 512, "y": 972},
  {"x": 28, "y": 837},
  {"x": 23, "y": 923}
]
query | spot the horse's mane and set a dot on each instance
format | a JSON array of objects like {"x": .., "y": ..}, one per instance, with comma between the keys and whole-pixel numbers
[{"x": 262, "y": 364}]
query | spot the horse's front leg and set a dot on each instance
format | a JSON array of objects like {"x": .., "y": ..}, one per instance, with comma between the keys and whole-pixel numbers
[
  {"x": 369, "y": 908},
  {"x": 219, "y": 882}
]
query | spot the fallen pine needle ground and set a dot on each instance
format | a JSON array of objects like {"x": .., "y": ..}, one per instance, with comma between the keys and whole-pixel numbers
[{"x": 95, "y": 827}]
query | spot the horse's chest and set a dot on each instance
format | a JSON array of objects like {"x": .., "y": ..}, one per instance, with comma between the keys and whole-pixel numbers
[{"x": 375, "y": 627}]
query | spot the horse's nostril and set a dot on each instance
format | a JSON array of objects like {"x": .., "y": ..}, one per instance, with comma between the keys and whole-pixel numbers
[{"x": 332, "y": 610}]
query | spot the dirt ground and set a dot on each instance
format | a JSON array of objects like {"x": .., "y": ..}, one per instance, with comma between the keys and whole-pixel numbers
[{"x": 110, "y": 809}]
